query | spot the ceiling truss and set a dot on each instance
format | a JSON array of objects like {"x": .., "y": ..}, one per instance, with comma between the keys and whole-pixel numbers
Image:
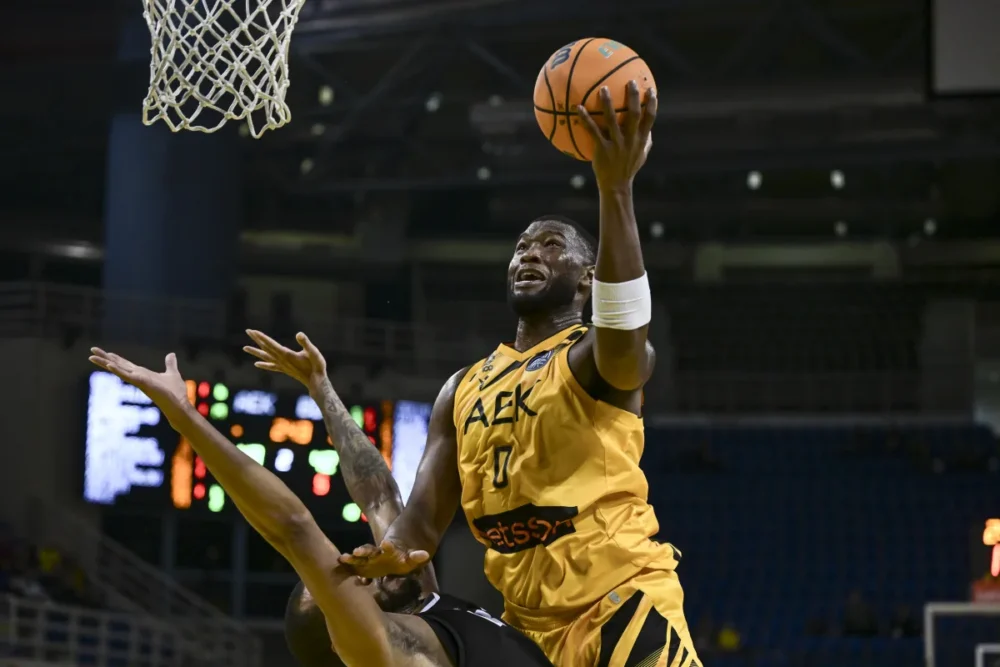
[{"x": 795, "y": 84}]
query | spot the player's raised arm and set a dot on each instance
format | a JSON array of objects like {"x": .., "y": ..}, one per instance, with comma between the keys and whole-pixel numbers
[
  {"x": 414, "y": 537},
  {"x": 369, "y": 481},
  {"x": 622, "y": 305},
  {"x": 362, "y": 636}
]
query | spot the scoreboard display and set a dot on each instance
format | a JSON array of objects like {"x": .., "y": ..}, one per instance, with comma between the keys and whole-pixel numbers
[{"x": 134, "y": 458}]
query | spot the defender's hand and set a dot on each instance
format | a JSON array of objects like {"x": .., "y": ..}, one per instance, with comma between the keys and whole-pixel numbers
[
  {"x": 166, "y": 389},
  {"x": 307, "y": 365},
  {"x": 622, "y": 148},
  {"x": 370, "y": 561}
]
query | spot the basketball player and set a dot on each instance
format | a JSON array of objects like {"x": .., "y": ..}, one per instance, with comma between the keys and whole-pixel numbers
[
  {"x": 333, "y": 618},
  {"x": 540, "y": 441}
]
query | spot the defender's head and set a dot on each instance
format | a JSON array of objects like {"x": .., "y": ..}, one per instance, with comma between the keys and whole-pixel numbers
[
  {"x": 305, "y": 626},
  {"x": 552, "y": 267}
]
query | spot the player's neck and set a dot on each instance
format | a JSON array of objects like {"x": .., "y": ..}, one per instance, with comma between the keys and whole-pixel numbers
[{"x": 532, "y": 330}]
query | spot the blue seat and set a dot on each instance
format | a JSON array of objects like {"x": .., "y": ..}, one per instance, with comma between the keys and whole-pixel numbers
[{"x": 797, "y": 518}]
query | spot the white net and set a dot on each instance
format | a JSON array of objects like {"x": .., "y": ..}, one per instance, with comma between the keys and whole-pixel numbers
[{"x": 219, "y": 60}]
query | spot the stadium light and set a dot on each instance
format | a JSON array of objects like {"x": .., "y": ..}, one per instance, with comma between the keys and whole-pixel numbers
[
  {"x": 840, "y": 228},
  {"x": 325, "y": 95},
  {"x": 754, "y": 180},
  {"x": 577, "y": 181},
  {"x": 837, "y": 179},
  {"x": 433, "y": 103},
  {"x": 483, "y": 173},
  {"x": 656, "y": 229},
  {"x": 930, "y": 226}
]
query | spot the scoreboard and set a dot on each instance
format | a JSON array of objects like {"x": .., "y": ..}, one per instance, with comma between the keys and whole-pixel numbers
[{"x": 133, "y": 458}]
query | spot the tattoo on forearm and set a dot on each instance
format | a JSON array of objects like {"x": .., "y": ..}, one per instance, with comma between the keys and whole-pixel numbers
[{"x": 366, "y": 475}]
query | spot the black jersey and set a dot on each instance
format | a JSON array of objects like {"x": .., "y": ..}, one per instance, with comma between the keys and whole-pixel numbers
[{"x": 473, "y": 638}]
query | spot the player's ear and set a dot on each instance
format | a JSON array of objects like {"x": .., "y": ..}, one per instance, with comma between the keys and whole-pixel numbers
[{"x": 587, "y": 281}]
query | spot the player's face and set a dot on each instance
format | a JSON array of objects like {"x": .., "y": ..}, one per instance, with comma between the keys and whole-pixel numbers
[{"x": 546, "y": 271}]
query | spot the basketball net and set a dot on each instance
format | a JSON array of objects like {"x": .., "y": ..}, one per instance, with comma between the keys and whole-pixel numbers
[{"x": 219, "y": 60}]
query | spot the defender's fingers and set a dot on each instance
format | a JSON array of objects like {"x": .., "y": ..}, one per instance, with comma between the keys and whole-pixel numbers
[
  {"x": 267, "y": 366},
  {"x": 111, "y": 368},
  {"x": 100, "y": 362},
  {"x": 417, "y": 556},
  {"x": 367, "y": 551},
  {"x": 120, "y": 362},
  {"x": 308, "y": 346},
  {"x": 264, "y": 341},
  {"x": 256, "y": 352}
]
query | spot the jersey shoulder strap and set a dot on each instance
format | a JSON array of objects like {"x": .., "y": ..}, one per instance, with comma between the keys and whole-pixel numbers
[{"x": 445, "y": 602}]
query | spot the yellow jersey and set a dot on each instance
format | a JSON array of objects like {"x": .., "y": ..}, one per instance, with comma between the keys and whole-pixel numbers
[{"x": 551, "y": 482}]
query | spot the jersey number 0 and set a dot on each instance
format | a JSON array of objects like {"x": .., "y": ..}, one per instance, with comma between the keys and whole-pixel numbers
[{"x": 501, "y": 458}]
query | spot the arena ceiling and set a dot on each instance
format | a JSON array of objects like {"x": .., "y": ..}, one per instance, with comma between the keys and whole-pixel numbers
[{"x": 430, "y": 119}]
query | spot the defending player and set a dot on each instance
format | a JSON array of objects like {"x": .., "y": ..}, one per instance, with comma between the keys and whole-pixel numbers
[
  {"x": 335, "y": 619},
  {"x": 541, "y": 441}
]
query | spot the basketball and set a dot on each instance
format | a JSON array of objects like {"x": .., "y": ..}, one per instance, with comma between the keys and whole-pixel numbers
[{"x": 574, "y": 75}]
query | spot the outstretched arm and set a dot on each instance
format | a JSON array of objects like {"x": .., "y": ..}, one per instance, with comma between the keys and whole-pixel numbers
[
  {"x": 622, "y": 303},
  {"x": 360, "y": 632},
  {"x": 369, "y": 481},
  {"x": 414, "y": 537}
]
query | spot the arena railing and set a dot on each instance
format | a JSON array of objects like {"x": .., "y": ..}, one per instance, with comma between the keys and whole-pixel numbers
[
  {"x": 40, "y": 633},
  {"x": 128, "y": 579},
  {"x": 41, "y": 310},
  {"x": 51, "y": 311}
]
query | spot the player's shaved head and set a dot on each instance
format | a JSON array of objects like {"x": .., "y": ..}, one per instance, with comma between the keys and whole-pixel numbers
[{"x": 306, "y": 633}]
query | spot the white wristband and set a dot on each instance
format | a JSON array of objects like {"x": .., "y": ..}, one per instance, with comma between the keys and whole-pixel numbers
[{"x": 626, "y": 306}]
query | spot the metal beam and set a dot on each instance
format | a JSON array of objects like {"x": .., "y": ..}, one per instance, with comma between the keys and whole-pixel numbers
[
  {"x": 320, "y": 31},
  {"x": 663, "y": 164},
  {"x": 381, "y": 87},
  {"x": 503, "y": 69}
]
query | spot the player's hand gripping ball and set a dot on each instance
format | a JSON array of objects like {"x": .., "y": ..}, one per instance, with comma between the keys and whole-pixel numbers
[{"x": 573, "y": 76}]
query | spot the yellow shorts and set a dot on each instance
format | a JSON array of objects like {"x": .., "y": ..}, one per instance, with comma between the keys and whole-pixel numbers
[{"x": 639, "y": 624}]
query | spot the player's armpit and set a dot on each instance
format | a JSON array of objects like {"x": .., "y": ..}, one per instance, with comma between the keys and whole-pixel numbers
[
  {"x": 415, "y": 642},
  {"x": 582, "y": 358}
]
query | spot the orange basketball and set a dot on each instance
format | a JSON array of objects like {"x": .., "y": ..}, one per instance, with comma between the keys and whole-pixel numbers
[{"x": 574, "y": 75}]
